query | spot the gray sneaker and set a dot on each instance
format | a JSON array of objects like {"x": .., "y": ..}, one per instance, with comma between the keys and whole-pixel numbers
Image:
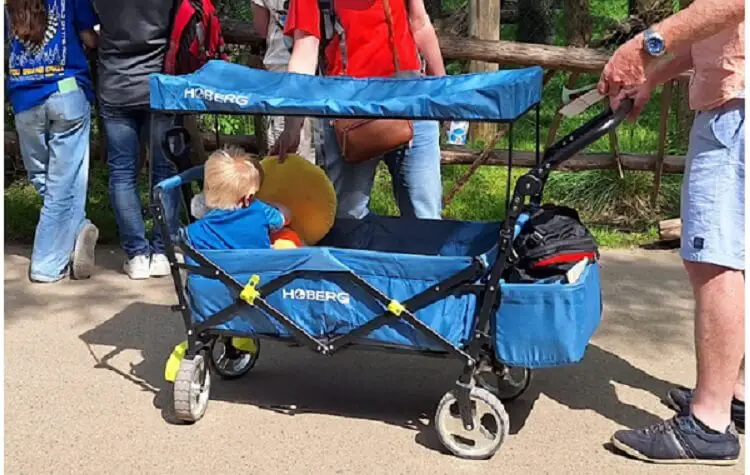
[{"x": 84, "y": 251}]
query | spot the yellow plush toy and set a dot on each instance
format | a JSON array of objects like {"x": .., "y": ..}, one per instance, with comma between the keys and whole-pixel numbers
[{"x": 305, "y": 190}]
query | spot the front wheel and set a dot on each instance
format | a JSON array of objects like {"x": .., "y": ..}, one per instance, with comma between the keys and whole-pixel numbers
[
  {"x": 489, "y": 419},
  {"x": 191, "y": 389}
]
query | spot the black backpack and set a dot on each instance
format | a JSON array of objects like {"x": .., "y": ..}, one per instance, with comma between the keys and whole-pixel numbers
[{"x": 551, "y": 242}]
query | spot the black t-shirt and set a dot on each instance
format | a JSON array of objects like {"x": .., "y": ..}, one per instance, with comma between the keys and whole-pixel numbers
[{"x": 134, "y": 39}]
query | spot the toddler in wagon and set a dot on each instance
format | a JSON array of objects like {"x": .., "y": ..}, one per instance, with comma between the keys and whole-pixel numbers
[{"x": 229, "y": 215}]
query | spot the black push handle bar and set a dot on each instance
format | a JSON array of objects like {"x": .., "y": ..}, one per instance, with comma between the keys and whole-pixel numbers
[{"x": 585, "y": 135}]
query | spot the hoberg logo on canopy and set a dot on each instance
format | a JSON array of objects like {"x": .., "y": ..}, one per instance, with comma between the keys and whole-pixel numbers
[
  {"x": 316, "y": 295},
  {"x": 214, "y": 96}
]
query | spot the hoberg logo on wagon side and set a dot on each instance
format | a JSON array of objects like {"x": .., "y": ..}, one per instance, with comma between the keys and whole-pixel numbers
[
  {"x": 316, "y": 295},
  {"x": 215, "y": 96}
]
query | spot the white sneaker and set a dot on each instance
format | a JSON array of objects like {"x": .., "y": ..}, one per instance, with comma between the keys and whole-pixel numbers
[
  {"x": 137, "y": 268},
  {"x": 159, "y": 266},
  {"x": 83, "y": 252}
]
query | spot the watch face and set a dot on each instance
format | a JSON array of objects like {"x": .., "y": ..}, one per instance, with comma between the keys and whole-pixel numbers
[{"x": 655, "y": 46}]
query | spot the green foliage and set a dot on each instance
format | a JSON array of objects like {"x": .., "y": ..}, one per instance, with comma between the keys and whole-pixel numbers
[{"x": 610, "y": 204}]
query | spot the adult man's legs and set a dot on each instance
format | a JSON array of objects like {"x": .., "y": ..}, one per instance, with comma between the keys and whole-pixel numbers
[
  {"x": 713, "y": 251},
  {"x": 719, "y": 340},
  {"x": 162, "y": 168},
  {"x": 122, "y": 128}
]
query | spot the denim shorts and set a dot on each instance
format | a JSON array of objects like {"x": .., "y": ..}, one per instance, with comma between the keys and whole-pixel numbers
[{"x": 713, "y": 190}]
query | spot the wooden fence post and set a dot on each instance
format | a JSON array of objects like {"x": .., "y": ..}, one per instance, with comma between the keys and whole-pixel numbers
[
  {"x": 484, "y": 23},
  {"x": 666, "y": 100}
]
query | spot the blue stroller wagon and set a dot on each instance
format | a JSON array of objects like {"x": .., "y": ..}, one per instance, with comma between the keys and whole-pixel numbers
[{"x": 431, "y": 287}]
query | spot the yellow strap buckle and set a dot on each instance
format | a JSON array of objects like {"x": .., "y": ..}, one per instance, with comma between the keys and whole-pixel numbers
[
  {"x": 249, "y": 292},
  {"x": 396, "y": 308}
]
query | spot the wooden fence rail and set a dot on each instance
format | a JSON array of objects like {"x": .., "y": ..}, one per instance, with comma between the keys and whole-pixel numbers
[{"x": 553, "y": 59}]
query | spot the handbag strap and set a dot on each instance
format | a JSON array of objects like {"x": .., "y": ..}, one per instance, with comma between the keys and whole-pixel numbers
[{"x": 391, "y": 34}]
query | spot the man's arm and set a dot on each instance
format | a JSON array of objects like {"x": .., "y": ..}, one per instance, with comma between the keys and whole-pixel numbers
[
  {"x": 629, "y": 65},
  {"x": 702, "y": 19},
  {"x": 667, "y": 71},
  {"x": 426, "y": 38}
]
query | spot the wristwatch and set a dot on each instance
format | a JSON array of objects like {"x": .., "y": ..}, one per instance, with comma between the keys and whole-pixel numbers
[{"x": 653, "y": 43}]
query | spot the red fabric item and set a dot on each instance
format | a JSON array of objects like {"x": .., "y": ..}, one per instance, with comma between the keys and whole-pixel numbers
[
  {"x": 368, "y": 48},
  {"x": 186, "y": 53},
  {"x": 286, "y": 234},
  {"x": 564, "y": 258}
]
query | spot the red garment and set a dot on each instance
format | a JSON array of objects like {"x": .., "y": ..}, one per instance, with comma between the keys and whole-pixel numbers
[{"x": 368, "y": 49}]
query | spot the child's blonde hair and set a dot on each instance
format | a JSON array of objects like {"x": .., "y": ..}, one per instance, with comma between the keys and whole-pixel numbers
[{"x": 230, "y": 175}]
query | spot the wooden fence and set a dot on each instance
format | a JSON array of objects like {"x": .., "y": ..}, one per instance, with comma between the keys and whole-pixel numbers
[{"x": 552, "y": 59}]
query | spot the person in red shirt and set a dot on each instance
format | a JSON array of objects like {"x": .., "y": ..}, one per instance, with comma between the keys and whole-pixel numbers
[{"x": 361, "y": 47}]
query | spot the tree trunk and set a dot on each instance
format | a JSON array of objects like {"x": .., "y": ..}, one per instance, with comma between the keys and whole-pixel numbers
[
  {"x": 577, "y": 22},
  {"x": 536, "y": 22}
]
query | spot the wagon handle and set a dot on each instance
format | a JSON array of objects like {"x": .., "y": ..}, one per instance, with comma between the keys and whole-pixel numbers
[{"x": 585, "y": 135}]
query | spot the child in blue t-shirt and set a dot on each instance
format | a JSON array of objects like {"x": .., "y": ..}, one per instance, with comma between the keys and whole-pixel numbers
[
  {"x": 49, "y": 88},
  {"x": 230, "y": 217}
]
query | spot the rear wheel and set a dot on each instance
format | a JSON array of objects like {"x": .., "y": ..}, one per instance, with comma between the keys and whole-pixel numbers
[
  {"x": 505, "y": 382},
  {"x": 230, "y": 362}
]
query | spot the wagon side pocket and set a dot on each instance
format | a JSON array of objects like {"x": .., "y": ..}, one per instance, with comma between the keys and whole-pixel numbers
[{"x": 542, "y": 325}]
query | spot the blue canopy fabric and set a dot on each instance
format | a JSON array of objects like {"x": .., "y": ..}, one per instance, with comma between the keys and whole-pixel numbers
[{"x": 222, "y": 87}]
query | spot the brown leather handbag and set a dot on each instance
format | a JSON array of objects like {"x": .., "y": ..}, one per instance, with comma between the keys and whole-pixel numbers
[{"x": 366, "y": 139}]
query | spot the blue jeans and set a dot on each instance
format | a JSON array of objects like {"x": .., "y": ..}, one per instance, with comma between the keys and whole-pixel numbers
[
  {"x": 123, "y": 129},
  {"x": 713, "y": 189},
  {"x": 416, "y": 175},
  {"x": 54, "y": 143}
]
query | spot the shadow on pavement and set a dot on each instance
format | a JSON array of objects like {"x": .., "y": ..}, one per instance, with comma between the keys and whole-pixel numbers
[{"x": 402, "y": 390}]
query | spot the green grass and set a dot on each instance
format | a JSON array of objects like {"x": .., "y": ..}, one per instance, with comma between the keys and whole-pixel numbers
[
  {"x": 617, "y": 209},
  {"x": 482, "y": 199}
]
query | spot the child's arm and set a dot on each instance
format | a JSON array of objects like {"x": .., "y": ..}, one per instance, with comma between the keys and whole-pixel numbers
[{"x": 278, "y": 216}]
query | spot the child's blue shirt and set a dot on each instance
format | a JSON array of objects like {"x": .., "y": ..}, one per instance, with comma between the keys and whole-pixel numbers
[{"x": 243, "y": 228}]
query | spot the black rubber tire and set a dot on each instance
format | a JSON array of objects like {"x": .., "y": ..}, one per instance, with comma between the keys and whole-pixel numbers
[
  {"x": 505, "y": 392},
  {"x": 221, "y": 370}
]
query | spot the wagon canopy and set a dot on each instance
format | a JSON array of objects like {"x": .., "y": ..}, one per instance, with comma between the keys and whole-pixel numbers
[{"x": 222, "y": 87}]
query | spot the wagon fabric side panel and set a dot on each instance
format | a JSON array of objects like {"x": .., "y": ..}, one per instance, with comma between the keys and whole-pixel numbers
[{"x": 327, "y": 304}]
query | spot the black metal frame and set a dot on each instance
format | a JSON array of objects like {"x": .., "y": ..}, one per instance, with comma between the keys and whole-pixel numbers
[{"x": 473, "y": 279}]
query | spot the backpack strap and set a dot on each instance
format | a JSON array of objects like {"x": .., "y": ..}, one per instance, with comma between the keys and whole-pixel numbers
[{"x": 330, "y": 25}]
